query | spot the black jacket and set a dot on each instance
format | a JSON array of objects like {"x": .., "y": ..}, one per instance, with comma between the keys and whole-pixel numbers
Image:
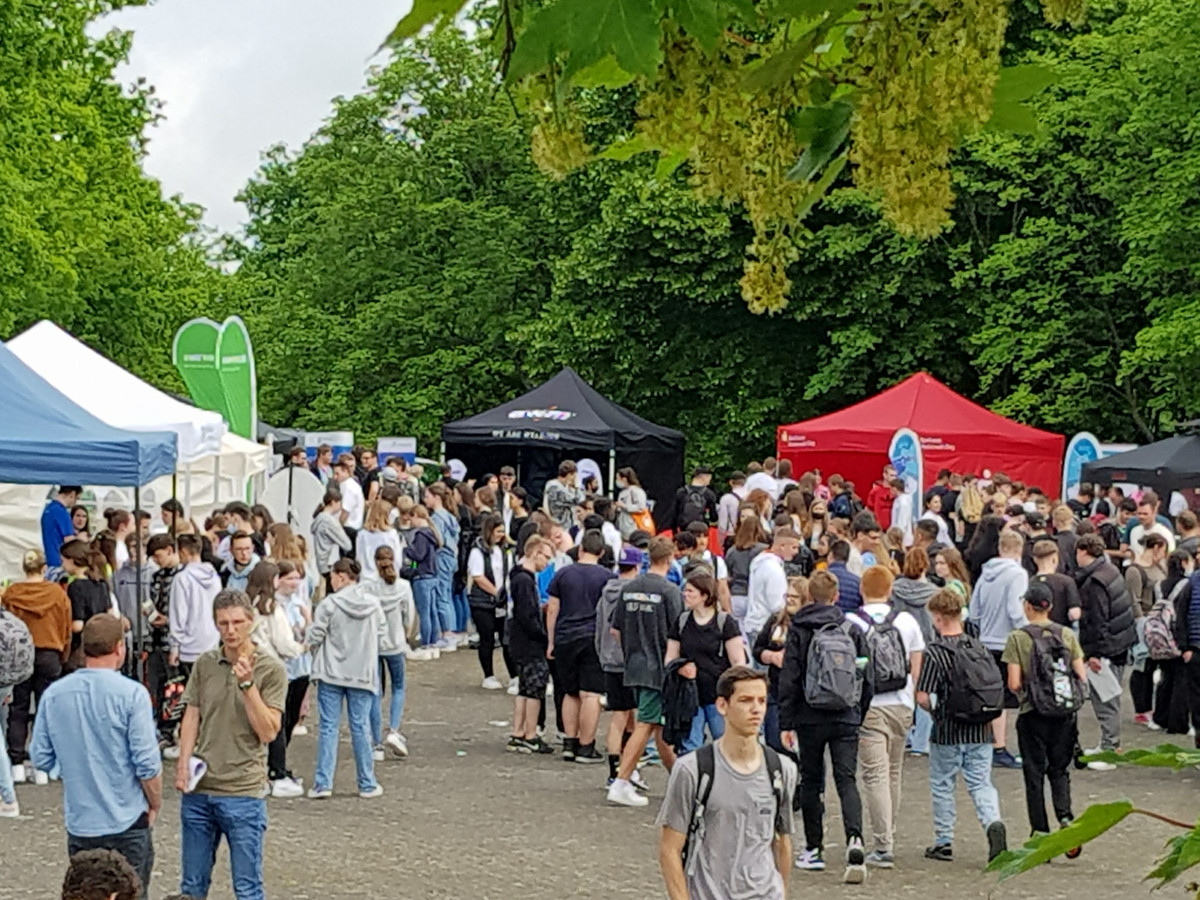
[
  {"x": 793, "y": 710},
  {"x": 681, "y": 701},
  {"x": 526, "y": 630},
  {"x": 1106, "y": 627}
]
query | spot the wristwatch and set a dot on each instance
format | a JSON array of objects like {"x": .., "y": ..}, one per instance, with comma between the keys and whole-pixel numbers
[{"x": 245, "y": 685}]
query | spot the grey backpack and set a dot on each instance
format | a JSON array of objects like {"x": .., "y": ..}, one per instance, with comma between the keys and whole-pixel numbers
[
  {"x": 889, "y": 663},
  {"x": 832, "y": 679},
  {"x": 16, "y": 650}
]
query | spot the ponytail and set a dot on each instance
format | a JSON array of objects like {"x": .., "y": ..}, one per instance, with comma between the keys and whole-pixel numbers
[{"x": 385, "y": 564}]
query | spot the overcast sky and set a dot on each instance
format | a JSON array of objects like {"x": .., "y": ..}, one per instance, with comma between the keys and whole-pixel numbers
[{"x": 238, "y": 76}]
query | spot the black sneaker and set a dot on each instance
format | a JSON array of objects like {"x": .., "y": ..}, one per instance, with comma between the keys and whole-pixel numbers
[
  {"x": 997, "y": 838},
  {"x": 940, "y": 852},
  {"x": 588, "y": 754},
  {"x": 514, "y": 744}
]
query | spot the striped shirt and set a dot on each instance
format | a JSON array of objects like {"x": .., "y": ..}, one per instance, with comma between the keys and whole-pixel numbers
[{"x": 934, "y": 679}]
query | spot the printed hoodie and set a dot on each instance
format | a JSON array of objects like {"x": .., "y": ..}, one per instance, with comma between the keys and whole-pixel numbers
[
  {"x": 794, "y": 711},
  {"x": 344, "y": 639},
  {"x": 768, "y": 591},
  {"x": 193, "y": 631},
  {"x": 997, "y": 601},
  {"x": 44, "y": 608}
]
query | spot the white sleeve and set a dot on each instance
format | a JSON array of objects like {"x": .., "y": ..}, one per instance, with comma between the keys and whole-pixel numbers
[
  {"x": 475, "y": 563},
  {"x": 910, "y": 633}
]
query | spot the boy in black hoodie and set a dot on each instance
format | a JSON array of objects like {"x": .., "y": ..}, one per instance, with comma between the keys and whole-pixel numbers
[
  {"x": 810, "y": 730},
  {"x": 527, "y": 642}
]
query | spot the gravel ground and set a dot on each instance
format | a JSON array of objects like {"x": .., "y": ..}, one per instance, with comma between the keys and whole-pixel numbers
[{"x": 463, "y": 818}]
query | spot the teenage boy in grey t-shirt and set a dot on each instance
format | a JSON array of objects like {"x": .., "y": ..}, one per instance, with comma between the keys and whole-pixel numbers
[{"x": 745, "y": 846}]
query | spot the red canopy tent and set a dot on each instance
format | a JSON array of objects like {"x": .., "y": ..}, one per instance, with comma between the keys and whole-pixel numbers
[{"x": 955, "y": 434}]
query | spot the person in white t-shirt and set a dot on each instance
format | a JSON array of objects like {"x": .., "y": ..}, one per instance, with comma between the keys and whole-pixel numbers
[
  {"x": 902, "y": 511},
  {"x": 353, "y": 503},
  {"x": 764, "y": 480},
  {"x": 885, "y": 727}
]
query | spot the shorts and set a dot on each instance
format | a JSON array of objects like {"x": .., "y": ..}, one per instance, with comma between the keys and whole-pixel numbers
[
  {"x": 620, "y": 698},
  {"x": 532, "y": 677},
  {"x": 649, "y": 706},
  {"x": 1011, "y": 700},
  {"x": 578, "y": 667}
]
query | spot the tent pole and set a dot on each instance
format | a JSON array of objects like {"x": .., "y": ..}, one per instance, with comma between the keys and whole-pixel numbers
[
  {"x": 612, "y": 471},
  {"x": 292, "y": 519},
  {"x": 442, "y": 458},
  {"x": 217, "y": 480},
  {"x": 138, "y": 668},
  {"x": 187, "y": 491}
]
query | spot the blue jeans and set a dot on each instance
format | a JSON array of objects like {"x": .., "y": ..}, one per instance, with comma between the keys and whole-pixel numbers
[
  {"x": 329, "y": 708},
  {"x": 425, "y": 594},
  {"x": 462, "y": 610},
  {"x": 975, "y": 763},
  {"x": 704, "y": 715},
  {"x": 918, "y": 735},
  {"x": 447, "y": 565},
  {"x": 7, "y": 791},
  {"x": 204, "y": 818},
  {"x": 395, "y": 666}
]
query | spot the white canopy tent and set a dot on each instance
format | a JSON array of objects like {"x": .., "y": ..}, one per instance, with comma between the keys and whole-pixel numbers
[{"x": 115, "y": 396}]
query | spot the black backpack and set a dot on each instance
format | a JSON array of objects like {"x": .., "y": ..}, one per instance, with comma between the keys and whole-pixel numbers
[
  {"x": 975, "y": 690},
  {"x": 706, "y": 767},
  {"x": 695, "y": 505},
  {"x": 1051, "y": 685},
  {"x": 889, "y": 661}
]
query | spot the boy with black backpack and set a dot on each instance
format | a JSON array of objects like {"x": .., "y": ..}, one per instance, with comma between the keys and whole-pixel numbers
[
  {"x": 825, "y": 690},
  {"x": 715, "y": 842},
  {"x": 1045, "y": 667},
  {"x": 960, "y": 686},
  {"x": 896, "y": 647}
]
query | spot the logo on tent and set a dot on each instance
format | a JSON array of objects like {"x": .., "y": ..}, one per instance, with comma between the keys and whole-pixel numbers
[{"x": 554, "y": 415}]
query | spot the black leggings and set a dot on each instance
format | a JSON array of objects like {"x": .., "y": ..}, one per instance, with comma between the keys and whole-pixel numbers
[
  {"x": 489, "y": 625},
  {"x": 47, "y": 668},
  {"x": 277, "y": 749}
]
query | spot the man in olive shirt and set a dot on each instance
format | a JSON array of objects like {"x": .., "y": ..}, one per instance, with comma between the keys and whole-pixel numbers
[{"x": 235, "y": 699}]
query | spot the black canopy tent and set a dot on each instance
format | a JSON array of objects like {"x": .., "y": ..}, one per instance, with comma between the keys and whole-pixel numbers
[
  {"x": 566, "y": 418},
  {"x": 1166, "y": 465}
]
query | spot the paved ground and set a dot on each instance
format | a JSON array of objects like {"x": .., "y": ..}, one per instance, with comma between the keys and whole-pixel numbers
[{"x": 462, "y": 818}]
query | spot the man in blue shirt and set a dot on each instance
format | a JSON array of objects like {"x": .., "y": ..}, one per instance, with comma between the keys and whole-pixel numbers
[
  {"x": 97, "y": 727},
  {"x": 57, "y": 527}
]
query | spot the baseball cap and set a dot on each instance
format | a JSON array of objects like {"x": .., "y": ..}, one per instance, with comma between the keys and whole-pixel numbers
[
  {"x": 1039, "y": 595},
  {"x": 1035, "y": 519},
  {"x": 389, "y": 474},
  {"x": 631, "y": 557}
]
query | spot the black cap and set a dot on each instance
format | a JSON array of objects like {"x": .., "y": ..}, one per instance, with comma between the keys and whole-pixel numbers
[
  {"x": 1035, "y": 519},
  {"x": 1039, "y": 595}
]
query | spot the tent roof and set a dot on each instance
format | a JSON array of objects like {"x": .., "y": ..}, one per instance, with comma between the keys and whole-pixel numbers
[
  {"x": 1169, "y": 464},
  {"x": 929, "y": 408},
  {"x": 48, "y": 439},
  {"x": 565, "y": 411},
  {"x": 114, "y": 395}
]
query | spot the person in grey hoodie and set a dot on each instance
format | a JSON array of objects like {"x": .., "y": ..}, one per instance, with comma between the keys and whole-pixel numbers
[
  {"x": 998, "y": 607},
  {"x": 344, "y": 639},
  {"x": 911, "y": 593},
  {"x": 329, "y": 537},
  {"x": 129, "y": 601},
  {"x": 190, "y": 615},
  {"x": 395, "y": 597}
]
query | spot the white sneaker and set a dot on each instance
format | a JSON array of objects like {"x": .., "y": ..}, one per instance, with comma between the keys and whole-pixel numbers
[
  {"x": 395, "y": 741},
  {"x": 40, "y": 777},
  {"x": 377, "y": 754},
  {"x": 625, "y": 794},
  {"x": 19, "y": 776},
  {"x": 512, "y": 688},
  {"x": 315, "y": 793},
  {"x": 171, "y": 751},
  {"x": 1152, "y": 725},
  {"x": 639, "y": 782},
  {"x": 300, "y": 731},
  {"x": 446, "y": 645},
  {"x": 811, "y": 861},
  {"x": 286, "y": 788},
  {"x": 1101, "y": 766},
  {"x": 856, "y": 859},
  {"x": 9, "y": 810},
  {"x": 374, "y": 792},
  {"x": 492, "y": 683}
]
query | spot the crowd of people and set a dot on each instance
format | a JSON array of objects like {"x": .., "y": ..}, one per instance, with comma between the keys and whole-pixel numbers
[{"x": 759, "y": 633}]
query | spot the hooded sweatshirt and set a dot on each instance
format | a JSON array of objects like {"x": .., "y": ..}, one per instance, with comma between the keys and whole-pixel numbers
[
  {"x": 193, "y": 631},
  {"x": 399, "y": 612},
  {"x": 768, "y": 591},
  {"x": 794, "y": 710},
  {"x": 997, "y": 601},
  {"x": 236, "y": 579},
  {"x": 344, "y": 638},
  {"x": 44, "y": 608},
  {"x": 912, "y": 595},
  {"x": 328, "y": 537}
]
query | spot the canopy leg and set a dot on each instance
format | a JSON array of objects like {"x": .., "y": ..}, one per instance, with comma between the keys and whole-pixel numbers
[
  {"x": 612, "y": 472},
  {"x": 138, "y": 554}
]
